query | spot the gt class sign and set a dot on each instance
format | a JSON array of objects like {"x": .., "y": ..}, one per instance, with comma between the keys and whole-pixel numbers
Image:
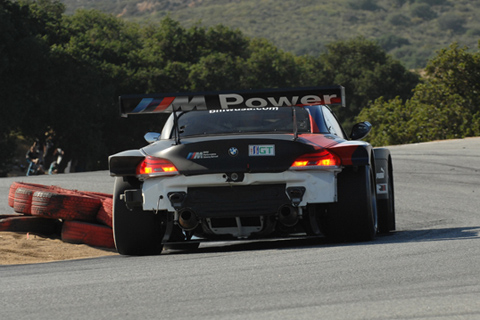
[{"x": 261, "y": 150}]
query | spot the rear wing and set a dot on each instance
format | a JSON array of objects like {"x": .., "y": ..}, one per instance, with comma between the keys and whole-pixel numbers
[{"x": 167, "y": 103}]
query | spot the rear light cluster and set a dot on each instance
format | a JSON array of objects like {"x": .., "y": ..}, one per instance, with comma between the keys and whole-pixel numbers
[
  {"x": 322, "y": 159},
  {"x": 152, "y": 167}
]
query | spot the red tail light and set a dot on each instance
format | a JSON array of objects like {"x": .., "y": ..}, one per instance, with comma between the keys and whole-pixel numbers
[
  {"x": 152, "y": 166},
  {"x": 323, "y": 158}
]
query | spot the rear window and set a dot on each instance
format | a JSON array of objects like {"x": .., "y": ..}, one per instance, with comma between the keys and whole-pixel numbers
[{"x": 241, "y": 121}]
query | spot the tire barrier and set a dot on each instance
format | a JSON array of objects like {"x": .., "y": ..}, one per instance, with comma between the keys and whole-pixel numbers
[
  {"x": 96, "y": 235},
  {"x": 105, "y": 213},
  {"x": 31, "y": 186},
  {"x": 76, "y": 216},
  {"x": 64, "y": 206},
  {"x": 23, "y": 200},
  {"x": 30, "y": 224}
]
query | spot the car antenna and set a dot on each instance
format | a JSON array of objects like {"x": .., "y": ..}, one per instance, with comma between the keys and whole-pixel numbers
[{"x": 295, "y": 128}]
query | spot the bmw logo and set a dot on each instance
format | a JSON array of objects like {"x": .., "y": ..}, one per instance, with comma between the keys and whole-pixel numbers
[{"x": 233, "y": 151}]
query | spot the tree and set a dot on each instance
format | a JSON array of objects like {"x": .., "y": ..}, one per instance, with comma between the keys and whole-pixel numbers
[
  {"x": 24, "y": 52},
  {"x": 367, "y": 73},
  {"x": 444, "y": 106}
]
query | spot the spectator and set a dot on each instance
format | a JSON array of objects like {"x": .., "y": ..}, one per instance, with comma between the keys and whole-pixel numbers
[
  {"x": 54, "y": 165},
  {"x": 34, "y": 160}
]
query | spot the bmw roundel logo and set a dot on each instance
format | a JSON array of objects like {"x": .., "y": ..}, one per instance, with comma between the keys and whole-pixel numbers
[{"x": 233, "y": 151}]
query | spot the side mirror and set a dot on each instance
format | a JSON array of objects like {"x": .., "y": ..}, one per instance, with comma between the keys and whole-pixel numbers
[
  {"x": 360, "y": 130},
  {"x": 151, "y": 137}
]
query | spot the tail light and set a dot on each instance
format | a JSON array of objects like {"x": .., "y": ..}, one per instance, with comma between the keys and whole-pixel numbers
[
  {"x": 152, "y": 167},
  {"x": 319, "y": 160}
]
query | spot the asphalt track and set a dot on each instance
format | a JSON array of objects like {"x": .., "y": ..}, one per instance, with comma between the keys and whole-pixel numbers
[{"x": 428, "y": 269}]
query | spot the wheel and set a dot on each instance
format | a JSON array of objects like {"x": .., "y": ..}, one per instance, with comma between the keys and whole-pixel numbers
[
  {"x": 354, "y": 216},
  {"x": 136, "y": 232},
  {"x": 386, "y": 199}
]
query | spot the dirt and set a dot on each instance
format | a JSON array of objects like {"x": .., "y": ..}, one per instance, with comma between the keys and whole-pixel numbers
[{"x": 25, "y": 248}]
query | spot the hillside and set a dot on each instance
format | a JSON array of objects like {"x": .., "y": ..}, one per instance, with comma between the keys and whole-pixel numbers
[{"x": 410, "y": 30}]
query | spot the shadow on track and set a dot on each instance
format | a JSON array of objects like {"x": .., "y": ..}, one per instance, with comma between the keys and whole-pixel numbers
[{"x": 443, "y": 234}]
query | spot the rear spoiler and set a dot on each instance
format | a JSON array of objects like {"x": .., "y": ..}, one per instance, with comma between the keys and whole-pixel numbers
[{"x": 167, "y": 103}]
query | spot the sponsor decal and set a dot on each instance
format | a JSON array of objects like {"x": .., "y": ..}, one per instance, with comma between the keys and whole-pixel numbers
[
  {"x": 382, "y": 188},
  {"x": 272, "y": 98},
  {"x": 233, "y": 99},
  {"x": 202, "y": 155},
  {"x": 233, "y": 151},
  {"x": 381, "y": 175},
  {"x": 243, "y": 109},
  {"x": 261, "y": 150}
]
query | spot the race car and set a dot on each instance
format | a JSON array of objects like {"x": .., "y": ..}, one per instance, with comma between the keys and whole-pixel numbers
[{"x": 248, "y": 165}]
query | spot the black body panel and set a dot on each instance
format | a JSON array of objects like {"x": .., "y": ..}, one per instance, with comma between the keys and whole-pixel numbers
[
  {"x": 215, "y": 154},
  {"x": 236, "y": 201}
]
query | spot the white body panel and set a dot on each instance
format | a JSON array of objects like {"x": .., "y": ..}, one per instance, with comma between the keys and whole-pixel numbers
[{"x": 320, "y": 185}]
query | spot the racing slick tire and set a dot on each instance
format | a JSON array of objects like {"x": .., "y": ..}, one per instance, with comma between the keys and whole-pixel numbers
[
  {"x": 354, "y": 216},
  {"x": 136, "y": 232},
  {"x": 385, "y": 190}
]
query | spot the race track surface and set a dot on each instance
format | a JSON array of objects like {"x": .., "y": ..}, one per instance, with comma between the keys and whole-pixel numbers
[{"x": 428, "y": 269}]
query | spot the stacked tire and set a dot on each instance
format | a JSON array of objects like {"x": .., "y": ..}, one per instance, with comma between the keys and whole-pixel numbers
[{"x": 77, "y": 216}]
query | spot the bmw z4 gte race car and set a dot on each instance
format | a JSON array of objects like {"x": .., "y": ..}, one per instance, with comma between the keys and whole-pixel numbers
[{"x": 248, "y": 165}]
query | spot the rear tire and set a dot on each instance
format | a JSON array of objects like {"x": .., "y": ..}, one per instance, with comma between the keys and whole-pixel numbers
[
  {"x": 136, "y": 232},
  {"x": 386, "y": 207},
  {"x": 354, "y": 216}
]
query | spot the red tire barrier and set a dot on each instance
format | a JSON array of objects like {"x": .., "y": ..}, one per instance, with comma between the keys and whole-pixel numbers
[
  {"x": 30, "y": 224},
  {"x": 64, "y": 206},
  {"x": 11, "y": 193},
  {"x": 105, "y": 213},
  {"x": 11, "y": 215},
  {"x": 31, "y": 186},
  {"x": 23, "y": 200},
  {"x": 97, "y": 194},
  {"x": 87, "y": 233}
]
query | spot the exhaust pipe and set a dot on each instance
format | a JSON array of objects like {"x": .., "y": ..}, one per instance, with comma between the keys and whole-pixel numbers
[
  {"x": 287, "y": 215},
  {"x": 187, "y": 219}
]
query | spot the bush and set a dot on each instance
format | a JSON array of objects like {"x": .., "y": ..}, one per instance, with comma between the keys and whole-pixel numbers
[
  {"x": 398, "y": 20},
  {"x": 423, "y": 11},
  {"x": 451, "y": 21},
  {"x": 369, "y": 5}
]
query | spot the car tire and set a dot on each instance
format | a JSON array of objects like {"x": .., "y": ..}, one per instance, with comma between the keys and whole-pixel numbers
[
  {"x": 136, "y": 232},
  {"x": 354, "y": 216},
  {"x": 386, "y": 207}
]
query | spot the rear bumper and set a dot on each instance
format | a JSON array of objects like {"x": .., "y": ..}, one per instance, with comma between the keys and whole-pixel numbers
[{"x": 258, "y": 194}]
